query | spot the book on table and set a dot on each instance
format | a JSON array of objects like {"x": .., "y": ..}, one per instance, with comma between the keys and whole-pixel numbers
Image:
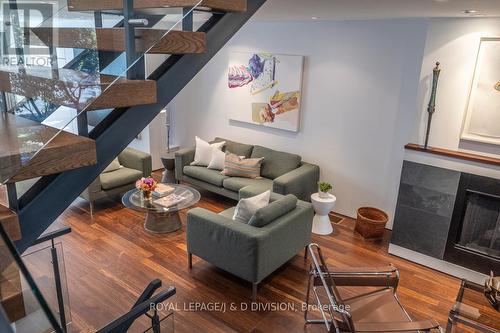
[
  {"x": 163, "y": 190},
  {"x": 170, "y": 200}
]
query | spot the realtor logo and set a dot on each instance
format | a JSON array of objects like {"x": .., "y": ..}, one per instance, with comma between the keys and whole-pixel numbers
[{"x": 18, "y": 43}]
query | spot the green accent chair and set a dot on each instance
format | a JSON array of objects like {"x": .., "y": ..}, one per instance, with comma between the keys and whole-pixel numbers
[
  {"x": 282, "y": 172},
  {"x": 135, "y": 164},
  {"x": 252, "y": 251}
]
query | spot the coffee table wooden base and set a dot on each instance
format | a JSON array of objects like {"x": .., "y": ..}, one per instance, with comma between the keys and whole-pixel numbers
[{"x": 162, "y": 223}]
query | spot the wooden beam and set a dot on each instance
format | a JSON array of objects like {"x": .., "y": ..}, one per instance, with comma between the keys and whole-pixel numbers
[
  {"x": 154, "y": 41},
  {"x": 29, "y": 149},
  {"x": 78, "y": 90},
  {"x": 10, "y": 223},
  {"x": 96, "y": 5},
  {"x": 461, "y": 155}
]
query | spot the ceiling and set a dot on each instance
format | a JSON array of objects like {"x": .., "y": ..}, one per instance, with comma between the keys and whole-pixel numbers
[{"x": 299, "y": 10}]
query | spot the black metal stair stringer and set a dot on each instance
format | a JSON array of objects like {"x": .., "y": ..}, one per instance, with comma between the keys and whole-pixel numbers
[{"x": 60, "y": 190}]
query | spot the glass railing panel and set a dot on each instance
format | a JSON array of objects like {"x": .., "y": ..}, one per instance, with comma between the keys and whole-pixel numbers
[
  {"x": 56, "y": 95},
  {"x": 21, "y": 300},
  {"x": 40, "y": 262}
]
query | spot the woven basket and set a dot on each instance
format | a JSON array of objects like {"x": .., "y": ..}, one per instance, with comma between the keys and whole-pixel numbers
[{"x": 371, "y": 222}]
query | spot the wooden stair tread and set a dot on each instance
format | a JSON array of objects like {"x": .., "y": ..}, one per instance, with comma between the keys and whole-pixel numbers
[
  {"x": 76, "y": 89},
  {"x": 96, "y": 5},
  {"x": 155, "y": 41},
  {"x": 10, "y": 223},
  {"x": 21, "y": 138}
]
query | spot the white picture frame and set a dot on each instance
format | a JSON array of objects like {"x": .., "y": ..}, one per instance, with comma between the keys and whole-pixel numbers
[{"x": 482, "y": 116}]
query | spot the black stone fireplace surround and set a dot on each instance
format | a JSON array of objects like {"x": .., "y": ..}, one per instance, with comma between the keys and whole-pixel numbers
[
  {"x": 435, "y": 205},
  {"x": 474, "y": 235}
]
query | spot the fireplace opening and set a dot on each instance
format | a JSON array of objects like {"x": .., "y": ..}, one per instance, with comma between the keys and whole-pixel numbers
[
  {"x": 480, "y": 231},
  {"x": 474, "y": 233}
]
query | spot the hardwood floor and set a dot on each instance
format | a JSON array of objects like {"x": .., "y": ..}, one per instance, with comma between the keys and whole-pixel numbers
[{"x": 111, "y": 258}]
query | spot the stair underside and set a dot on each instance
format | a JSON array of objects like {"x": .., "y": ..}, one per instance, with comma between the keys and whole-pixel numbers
[
  {"x": 154, "y": 41},
  {"x": 21, "y": 138},
  {"x": 76, "y": 89},
  {"x": 96, "y": 5},
  {"x": 10, "y": 223}
]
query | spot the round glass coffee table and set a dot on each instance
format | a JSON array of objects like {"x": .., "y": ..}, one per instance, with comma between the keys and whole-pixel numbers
[{"x": 161, "y": 219}]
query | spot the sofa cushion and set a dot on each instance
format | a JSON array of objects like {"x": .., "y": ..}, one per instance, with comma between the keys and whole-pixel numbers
[
  {"x": 276, "y": 163},
  {"x": 237, "y": 183},
  {"x": 275, "y": 209},
  {"x": 213, "y": 177},
  {"x": 120, "y": 177},
  {"x": 237, "y": 148}
]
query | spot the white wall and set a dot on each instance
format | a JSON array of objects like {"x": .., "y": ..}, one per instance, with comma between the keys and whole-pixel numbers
[
  {"x": 454, "y": 43},
  {"x": 359, "y": 90},
  {"x": 365, "y": 93}
]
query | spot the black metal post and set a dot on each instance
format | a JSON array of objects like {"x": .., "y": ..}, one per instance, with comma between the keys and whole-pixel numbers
[
  {"x": 128, "y": 15},
  {"x": 57, "y": 277},
  {"x": 187, "y": 19},
  {"x": 82, "y": 122},
  {"x": 12, "y": 196}
]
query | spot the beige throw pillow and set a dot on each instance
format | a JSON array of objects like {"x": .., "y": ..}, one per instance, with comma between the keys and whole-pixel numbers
[
  {"x": 113, "y": 166},
  {"x": 236, "y": 166}
]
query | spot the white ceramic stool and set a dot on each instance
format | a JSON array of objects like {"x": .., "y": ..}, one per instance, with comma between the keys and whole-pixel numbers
[{"x": 322, "y": 206}]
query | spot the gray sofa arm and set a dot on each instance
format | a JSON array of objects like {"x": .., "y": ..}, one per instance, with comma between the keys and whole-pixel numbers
[
  {"x": 136, "y": 159},
  {"x": 183, "y": 157},
  {"x": 302, "y": 182}
]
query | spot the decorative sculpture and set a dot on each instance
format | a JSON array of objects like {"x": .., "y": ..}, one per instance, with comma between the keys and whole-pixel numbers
[{"x": 432, "y": 102}]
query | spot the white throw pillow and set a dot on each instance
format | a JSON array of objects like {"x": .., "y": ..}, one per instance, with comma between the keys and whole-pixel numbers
[
  {"x": 203, "y": 151},
  {"x": 218, "y": 159},
  {"x": 246, "y": 208}
]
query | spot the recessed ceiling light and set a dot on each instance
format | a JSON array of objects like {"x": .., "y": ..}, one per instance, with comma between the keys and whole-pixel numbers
[
  {"x": 469, "y": 11},
  {"x": 315, "y": 17}
]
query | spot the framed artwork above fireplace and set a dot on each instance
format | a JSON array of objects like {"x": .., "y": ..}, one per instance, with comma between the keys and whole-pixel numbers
[{"x": 482, "y": 117}]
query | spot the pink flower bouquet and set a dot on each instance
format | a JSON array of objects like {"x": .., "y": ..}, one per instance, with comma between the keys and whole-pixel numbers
[{"x": 146, "y": 186}]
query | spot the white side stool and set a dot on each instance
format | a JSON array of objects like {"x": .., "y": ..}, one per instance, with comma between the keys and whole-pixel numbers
[{"x": 322, "y": 206}]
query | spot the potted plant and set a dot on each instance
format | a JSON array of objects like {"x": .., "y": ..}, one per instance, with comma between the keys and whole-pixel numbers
[
  {"x": 323, "y": 189},
  {"x": 146, "y": 186}
]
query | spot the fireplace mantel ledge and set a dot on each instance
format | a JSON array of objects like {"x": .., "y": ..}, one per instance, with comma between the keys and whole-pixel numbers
[{"x": 461, "y": 155}]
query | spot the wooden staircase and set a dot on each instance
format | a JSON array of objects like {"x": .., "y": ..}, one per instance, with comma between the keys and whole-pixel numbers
[
  {"x": 218, "y": 5},
  {"x": 154, "y": 41}
]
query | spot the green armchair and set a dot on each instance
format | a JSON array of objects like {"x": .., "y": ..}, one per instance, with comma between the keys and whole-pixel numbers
[
  {"x": 134, "y": 165},
  {"x": 250, "y": 252}
]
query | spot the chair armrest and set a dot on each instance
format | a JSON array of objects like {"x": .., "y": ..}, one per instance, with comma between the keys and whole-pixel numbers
[
  {"x": 366, "y": 277},
  {"x": 136, "y": 159},
  {"x": 302, "y": 182},
  {"x": 365, "y": 270},
  {"x": 183, "y": 157},
  {"x": 411, "y": 326},
  {"x": 211, "y": 221}
]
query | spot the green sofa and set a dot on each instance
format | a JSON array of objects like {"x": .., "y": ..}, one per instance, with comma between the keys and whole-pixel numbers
[
  {"x": 135, "y": 164},
  {"x": 282, "y": 172},
  {"x": 247, "y": 251}
]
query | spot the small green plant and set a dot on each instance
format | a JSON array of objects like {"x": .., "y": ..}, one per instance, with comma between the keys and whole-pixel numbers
[{"x": 324, "y": 186}]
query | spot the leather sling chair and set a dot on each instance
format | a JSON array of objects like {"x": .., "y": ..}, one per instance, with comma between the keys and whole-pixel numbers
[{"x": 377, "y": 309}]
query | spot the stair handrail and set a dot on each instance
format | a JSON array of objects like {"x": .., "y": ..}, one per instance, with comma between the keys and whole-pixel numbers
[{"x": 123, "y": 323}]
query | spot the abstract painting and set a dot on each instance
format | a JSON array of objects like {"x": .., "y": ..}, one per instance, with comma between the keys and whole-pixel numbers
[
  {"x": 482, "y": 119},
  {"x": 267, "y": 89}
]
